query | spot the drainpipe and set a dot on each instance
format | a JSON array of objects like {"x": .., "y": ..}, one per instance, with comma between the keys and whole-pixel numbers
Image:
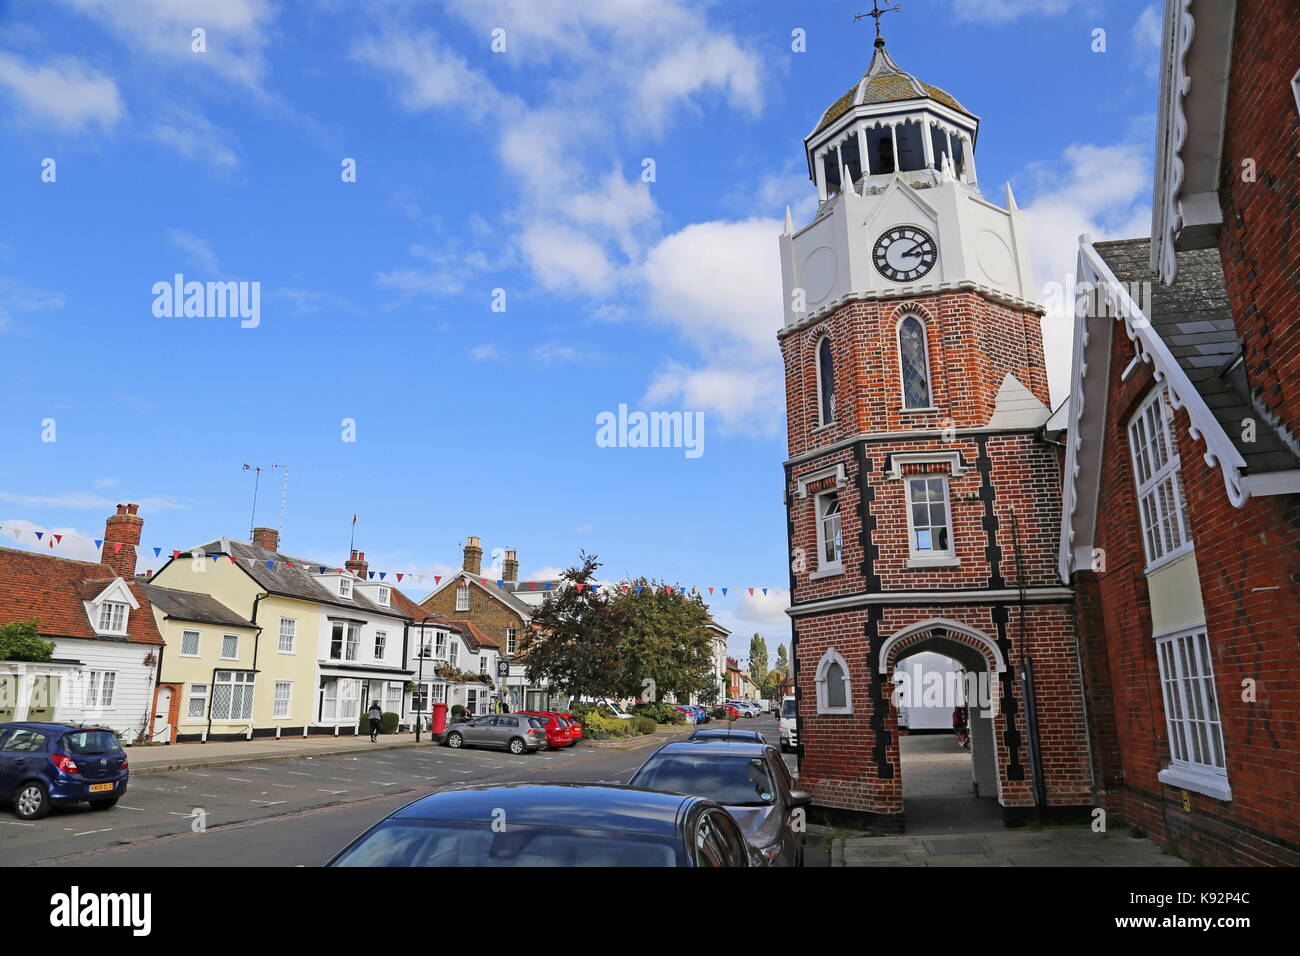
[{"x": 212, "y": 689}]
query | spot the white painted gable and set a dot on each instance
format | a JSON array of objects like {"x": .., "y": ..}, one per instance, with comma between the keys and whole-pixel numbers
[{"x": 1016, "y": 406}]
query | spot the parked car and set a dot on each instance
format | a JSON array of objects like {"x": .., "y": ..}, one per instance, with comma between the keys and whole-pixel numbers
[
  {"x": 750, "y": 780},
  {"x": 575, "y": 725},
  {"x": 518, "y": 733},
  {"x": 702, "y": 714},
  {"x": 688, "y": 712},
  {"x": 743, "y": 736},
  {"x": 731, "y": 712},
  {"x": 44, "y": 765},
  {"x": 553, "y": 824},
  {"x": 786, "y": 722},
  {"x": 747, "y": 708},
  {"x": 558, "y": 734}
]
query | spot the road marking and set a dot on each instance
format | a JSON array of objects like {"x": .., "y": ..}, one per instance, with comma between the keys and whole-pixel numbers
[
  {"x": 269, "y": 803},
  {"x": 284, "y": 786},
  {"x": 88, "y": 832},
  {"x": 197, "y": 774},
  {"x": 123, "y": 806},
  {"x": 239, "y": 779},
  {"x": 259, "y": 769},
  {"x": 384, "y": 783},
  {"x": 299, "y": 773},
  {"x": 175, "y": 814},
  {"x": 344, "y": 779}
]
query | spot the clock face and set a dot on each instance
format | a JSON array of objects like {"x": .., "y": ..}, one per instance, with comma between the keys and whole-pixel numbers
[{"x": 904, "y": 253}]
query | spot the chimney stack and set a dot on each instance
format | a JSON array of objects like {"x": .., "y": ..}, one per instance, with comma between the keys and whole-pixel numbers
[
  {"x": 510, "y": 567},
  {"x": 473, "y": 556},
  {"x": 268, "y": 539},
  {"x": 357, "y": 564},
  {"x": 122, "y": 528}
]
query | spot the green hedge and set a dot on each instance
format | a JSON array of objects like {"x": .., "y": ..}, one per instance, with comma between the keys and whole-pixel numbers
[{"x": 387, "y": 726}]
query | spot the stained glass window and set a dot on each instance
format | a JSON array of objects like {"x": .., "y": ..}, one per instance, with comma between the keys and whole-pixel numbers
[
  {"x": 826, "y": 381},
  {"x": 914, "y": 362}
]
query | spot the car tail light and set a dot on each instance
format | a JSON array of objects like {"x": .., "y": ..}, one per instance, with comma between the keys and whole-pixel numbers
[
  {"x": 123, "y": 767},
  {"x": 64, "y": 763}
]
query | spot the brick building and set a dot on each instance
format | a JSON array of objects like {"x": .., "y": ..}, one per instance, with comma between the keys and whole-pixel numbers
[
  {"x": 922, "y": 492},
  {"x": 1181, "y": 528}
]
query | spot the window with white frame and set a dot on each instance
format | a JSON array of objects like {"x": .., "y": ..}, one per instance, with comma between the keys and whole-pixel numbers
[
  {"x": 914, "y": 363},
  {"x": 394, "y": 698},
  {"x": 381, "y": 643},
  {"x": 1191, "y": 711},
  {"x": 462, "y": 597},
  {"x": 830, "y": 540},
  {"x": 112, "y": 617},
  {"x": 197, "y": 701},
  {"x": 189, "y": 643},
  {"x": 1162, "y": 510},
  {"x": 440, "y": 645},
  {"x": 454, "y": 654},
  {"x": 825, "y": 382},
  {"x": 229, "y": 647},
  {"x": 232, "y": 695},
  {"x": 288, "y": 635},
  {"x": 834, "y": 685},
  {"x": 345, "y": 639},
  {"x": 512, "y": 638},
  {"x": 438, "y": 693},
  {"x": 928, "y": 521},
  {"x": 283, "y": 700},
  {"x": 99, "y": 688},
  {"x": 383, "y": 596},
  {"x": 482, "y": 664},
  {"x": 345, "y": 586}
]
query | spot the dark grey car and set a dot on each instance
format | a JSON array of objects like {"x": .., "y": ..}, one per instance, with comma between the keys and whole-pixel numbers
[
  {"x": 516, "y": 733},
  {"x": 749, "y": 779}
]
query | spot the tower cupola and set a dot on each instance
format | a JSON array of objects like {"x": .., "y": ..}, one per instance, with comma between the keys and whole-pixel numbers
[{"x": 891, "y": 122}]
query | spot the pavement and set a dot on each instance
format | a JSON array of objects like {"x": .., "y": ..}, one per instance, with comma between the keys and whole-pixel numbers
[{"x": 948, "y": 826}]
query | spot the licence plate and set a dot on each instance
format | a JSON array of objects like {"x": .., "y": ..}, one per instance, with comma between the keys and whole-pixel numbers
[{"x": 100, "y": 787}]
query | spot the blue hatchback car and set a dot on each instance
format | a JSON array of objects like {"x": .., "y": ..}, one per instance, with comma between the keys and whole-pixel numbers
[{"x": 44, "y": 765}]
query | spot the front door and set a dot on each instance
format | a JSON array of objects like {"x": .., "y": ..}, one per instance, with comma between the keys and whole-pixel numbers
[{"x": 161, "y": 726}]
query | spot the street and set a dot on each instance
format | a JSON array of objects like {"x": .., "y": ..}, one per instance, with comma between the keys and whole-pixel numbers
[{"x": 291, "y": 812}]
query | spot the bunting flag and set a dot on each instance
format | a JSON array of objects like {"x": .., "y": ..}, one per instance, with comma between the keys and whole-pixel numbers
[
  {"x": 437, "y": 578},
  {"x": 399, "y": 577},
  {"x": 39, "y": 534},
  {"x": 500, "y": 585},
  {"x": 639, "y": 589},
  {"x": 710, "y": 590}
]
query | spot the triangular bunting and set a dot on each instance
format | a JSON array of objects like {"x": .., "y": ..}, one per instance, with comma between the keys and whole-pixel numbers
[
  {"x": 437, "y": 578},
  {"x": 764, "y": 590},
  {"x": 39, "y": 534},
  {"x": 724, "y": 592},
  {"x": 381, "y": 575},
  {"x": 399, "y": 577}
]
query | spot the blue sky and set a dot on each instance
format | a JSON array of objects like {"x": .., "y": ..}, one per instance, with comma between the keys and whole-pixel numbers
[{"x": 476, "y": 170}]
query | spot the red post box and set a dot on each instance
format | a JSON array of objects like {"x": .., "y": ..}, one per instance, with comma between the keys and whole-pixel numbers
[{"x": 439, "y": 718}]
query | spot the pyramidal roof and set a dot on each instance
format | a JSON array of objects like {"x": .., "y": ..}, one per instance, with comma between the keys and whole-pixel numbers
[
  {"x": 886, "y": 82},
  {"x": 1017, "y": 407}
]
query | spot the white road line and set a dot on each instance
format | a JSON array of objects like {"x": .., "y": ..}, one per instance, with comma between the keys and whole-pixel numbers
[
  {"x": 123, "y": 806},
  {"x": 332, "y": 791},
  {"x": 175, "y": 814},
  {"x": 383, "y": 783},
  {"x": 269, "y": 803},
  {"x": 88, "y": 832},
  {"x": 343, "y": 779},
  {"x": 239, "y": 779},
  {"x": 299, "y": 773},
  {"x": 197, "y": 774},
  {"x": 284, "y": 786},
  {"x": 259, "y": 769}
]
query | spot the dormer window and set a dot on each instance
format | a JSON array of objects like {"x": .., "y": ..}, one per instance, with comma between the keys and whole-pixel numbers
[
  {"x": 345, "y": 587},
  {"x": 382, "y": 597},
  {"x": 112, "y": 618}
]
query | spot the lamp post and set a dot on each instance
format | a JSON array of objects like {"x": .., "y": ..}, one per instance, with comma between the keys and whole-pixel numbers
[{"x": 419, "y": 681}]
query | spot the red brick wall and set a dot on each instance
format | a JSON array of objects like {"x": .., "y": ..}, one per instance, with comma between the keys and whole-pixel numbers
[
  {"x": 851, "y": 762},
  {"x": 1252, "y": 633},
  {"x": 1260, "y": 237}
]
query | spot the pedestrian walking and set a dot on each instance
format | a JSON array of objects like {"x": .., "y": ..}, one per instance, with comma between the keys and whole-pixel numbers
[{"x": 376, "y": 715}]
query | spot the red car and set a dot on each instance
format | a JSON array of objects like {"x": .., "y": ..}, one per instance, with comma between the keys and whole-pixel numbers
[
  {"x": 575, "y": 726},
  {"x": 557, "y": 730},
  {"x": 732, "y": 713}
]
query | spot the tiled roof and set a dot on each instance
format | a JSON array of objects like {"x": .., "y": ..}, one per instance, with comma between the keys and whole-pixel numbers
[
  {"x": 886, "y": 82},
  {"x": 193, "y": 606},
  {"x": 1193, "y": 319},
  {"x": 474, "y": 637},
  {"x": 51, "y": 590}
]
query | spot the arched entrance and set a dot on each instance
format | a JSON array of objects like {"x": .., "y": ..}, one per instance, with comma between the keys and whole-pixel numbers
[{"x": 935, "y": 666}]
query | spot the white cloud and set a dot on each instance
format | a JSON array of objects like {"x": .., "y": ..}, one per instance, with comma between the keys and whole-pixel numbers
[
  {"x": 199, "y": 250},
  {"x": 1003, "y": 11},
  {"x": 1146, "y": 39},
  {"x": 87, "y": 500},
  {"x": 237, "y": 32},
  {"x": 66, "y": 93},
  {"x": 18, "y": 296},
  {"x": 485, "y": 353},
  {"x": 745, "y": 399},
  {"x": 427, "y": 75},
  {"x": 196, "y": 138},
  {"x": 567, "y": 259},
  {"x": 447, "y": 271},
  {"x": 75, "y": 544},
  {"x": 1100, "y": 190},
  {"x": 554, "y": 352}
]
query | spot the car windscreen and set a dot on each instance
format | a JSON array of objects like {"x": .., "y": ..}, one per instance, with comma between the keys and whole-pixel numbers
[
  {"x": 731, "y": 780},
  {"x": 86, "y": 742},
  {"x": 456, "y": 843},
  {"x": 787, "y": 708}
]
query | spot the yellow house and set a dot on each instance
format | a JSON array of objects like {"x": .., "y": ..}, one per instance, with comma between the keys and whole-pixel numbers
[{"x": 318, "y": 643}]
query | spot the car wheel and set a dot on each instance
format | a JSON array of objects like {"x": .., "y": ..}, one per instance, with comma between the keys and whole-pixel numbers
[
  {"x": 517, "y": 745},
  {"x": 103, "y": 804},
  {"x": 32, "y": 801},
  {"x": 455, "y": 740}
]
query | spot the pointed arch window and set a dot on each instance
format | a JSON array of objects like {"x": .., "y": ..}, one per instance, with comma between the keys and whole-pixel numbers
[
  {"x": 834, "y": 686},
  {"x": 825, "y": 382},
  {"x": 914, "y": 362}
]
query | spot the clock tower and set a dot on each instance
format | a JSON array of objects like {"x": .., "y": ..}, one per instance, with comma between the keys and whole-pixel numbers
[{"x": 922, "y": 488}]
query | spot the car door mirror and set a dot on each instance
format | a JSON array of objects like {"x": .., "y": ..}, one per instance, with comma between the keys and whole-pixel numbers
[{"x": 800, "y": 798}]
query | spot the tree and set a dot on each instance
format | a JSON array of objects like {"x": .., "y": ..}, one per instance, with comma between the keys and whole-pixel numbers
[
  {"x": 782, "y": 661},
  {"x": 757, "y": 660},
  {"x": 22, "y": 641},
  {"x": 574, "y": 641},
  {"x": 667, "y": 646}
]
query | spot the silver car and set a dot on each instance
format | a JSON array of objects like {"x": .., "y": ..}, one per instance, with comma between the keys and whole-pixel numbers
[
  {"x": 749, "y": 779},
  {"x": 517, "y": 733}
]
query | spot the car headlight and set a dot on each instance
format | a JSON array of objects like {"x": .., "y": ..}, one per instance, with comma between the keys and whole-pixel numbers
[{"x": 770, "y": 853}]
